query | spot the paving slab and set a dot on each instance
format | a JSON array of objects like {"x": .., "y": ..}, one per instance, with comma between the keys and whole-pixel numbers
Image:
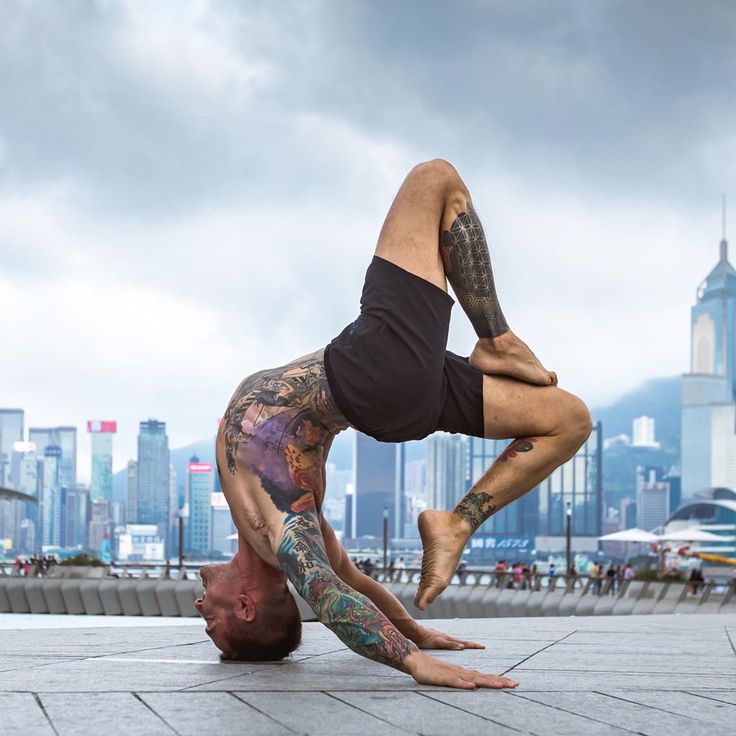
[{"x": 657, "y": 674}]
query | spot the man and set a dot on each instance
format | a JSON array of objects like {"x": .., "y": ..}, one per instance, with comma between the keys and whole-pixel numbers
[{"x": 388, "y": 374}]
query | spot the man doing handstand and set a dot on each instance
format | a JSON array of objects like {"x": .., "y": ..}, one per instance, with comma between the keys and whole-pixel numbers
[{"x": 389, "y": 375}]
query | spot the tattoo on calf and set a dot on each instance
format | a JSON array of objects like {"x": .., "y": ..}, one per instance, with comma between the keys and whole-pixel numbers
[
  {"x": 476, "y": 508},
  {"x": 352, "y": 616},
  {"x": 467, "y": 264},
  {"x": 523, "y": 444}
]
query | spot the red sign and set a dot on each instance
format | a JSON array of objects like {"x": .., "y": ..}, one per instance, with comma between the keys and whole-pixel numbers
[
  {"x": 95, "y": 425},
  {"x": 200, "y": 468}
]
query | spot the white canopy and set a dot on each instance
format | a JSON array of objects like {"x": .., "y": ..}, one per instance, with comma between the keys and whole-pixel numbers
[
  {"x": 693, "y": 534},
  {"x": 630, "y": 535}
]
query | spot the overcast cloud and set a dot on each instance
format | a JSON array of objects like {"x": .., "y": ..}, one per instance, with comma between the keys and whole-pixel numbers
[{"x": 192, "y": 191}]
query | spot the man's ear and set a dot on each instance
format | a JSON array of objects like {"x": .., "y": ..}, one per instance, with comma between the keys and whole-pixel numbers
[{"x": 246, "y": 610}]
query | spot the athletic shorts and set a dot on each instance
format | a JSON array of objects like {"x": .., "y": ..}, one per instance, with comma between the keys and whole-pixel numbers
[{"x": 390, "y": 372}]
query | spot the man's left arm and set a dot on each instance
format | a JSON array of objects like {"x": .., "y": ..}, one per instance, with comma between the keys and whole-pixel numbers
[{"x": 385, "y": 601}]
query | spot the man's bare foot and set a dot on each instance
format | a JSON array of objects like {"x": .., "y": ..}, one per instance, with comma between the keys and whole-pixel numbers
[
  {"x": 444, "y": 535},
  {"x": 509, "y": 356}
]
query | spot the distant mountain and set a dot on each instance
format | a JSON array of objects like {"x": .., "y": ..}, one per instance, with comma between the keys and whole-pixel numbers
[{"x": 659, "y": 398}]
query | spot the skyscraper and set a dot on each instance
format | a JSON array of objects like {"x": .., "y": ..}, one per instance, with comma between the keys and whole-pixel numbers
[
  {"x": 50, "y": 501},
  {"x": 11, "y": 431},
  {"x": 652, "y": 497},
  {"x": 374, "y": 464},
  {"x": 199, "y": 488},
  {"x": 100, "y": 487},
  {"x": 709, "y": 390},
  {"x": 66, "y": 439},
  {"x": 131, "y": 504},
  {"x": 222, "y": 526},
  {"x": 152, "y": 487},
  {"x": 643, "y": 433},
  {"x": 446, "y": 470}
]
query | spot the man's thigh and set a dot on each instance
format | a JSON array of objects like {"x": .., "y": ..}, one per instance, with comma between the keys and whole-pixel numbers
[{"x": 512, "y": 408}]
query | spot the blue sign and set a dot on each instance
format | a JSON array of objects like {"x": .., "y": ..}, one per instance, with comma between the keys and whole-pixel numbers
[{"x": 502, "y": 544}]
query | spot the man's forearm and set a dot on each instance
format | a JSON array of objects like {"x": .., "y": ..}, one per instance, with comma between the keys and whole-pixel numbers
[{"x": 347, "y": 612}]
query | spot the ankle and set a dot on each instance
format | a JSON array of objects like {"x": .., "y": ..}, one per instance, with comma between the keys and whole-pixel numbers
[{"x": 461, "y": 528}]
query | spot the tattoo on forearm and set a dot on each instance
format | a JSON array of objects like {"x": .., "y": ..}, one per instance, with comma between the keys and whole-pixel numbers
[
  {"x": 476, "y": 508},
  {"x": 523, "y": 444},
  {"x": 351, "y": 615},
  {"x": 467, "y": 264}
]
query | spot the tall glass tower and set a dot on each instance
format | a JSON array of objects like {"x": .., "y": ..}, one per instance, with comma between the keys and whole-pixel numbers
[
  {"x": 152, "y": 486},
  {"x": 100, "y": 487},
  {"x": 709, "y": 390},
  {"x": 199, "y": 488}
]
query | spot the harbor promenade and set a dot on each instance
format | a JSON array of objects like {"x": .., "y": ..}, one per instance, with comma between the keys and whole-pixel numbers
[{"x": 665, "y": 675}]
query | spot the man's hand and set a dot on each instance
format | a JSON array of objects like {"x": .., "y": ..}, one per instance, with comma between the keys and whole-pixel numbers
[
  {"x": 431, "y": 639},
  {"x": 427, "y": 670}
]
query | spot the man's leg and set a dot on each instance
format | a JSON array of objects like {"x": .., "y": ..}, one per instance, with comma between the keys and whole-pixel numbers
[
  {"x": 550, "y": 424},
  {"x": 433, "y": 231}
]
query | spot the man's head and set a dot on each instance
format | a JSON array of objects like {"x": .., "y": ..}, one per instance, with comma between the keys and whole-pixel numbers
[{"x": 249, "y": 616}]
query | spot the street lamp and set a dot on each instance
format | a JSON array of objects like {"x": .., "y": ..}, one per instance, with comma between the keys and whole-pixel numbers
[
  {"x": 568, "y": 537},
  {"x": 385, "y": 539},
  {"x": 183, "y": 514}
]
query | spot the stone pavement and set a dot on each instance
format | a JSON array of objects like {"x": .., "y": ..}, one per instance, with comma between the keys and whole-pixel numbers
[{"x": 667, "y": 675}]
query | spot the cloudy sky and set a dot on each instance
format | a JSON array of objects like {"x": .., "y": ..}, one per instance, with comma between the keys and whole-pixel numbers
[{"x": 191, "y": 191}]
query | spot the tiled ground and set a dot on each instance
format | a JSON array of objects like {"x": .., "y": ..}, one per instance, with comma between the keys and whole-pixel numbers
[{"x": 665, "y": 675}]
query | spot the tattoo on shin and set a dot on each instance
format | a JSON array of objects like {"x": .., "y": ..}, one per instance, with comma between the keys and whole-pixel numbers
[
  {"x": 476, "y": 508},
  {"x": 523, "y": 444},
  {"x": 467, "y": 264},
  {"x": 352, "y": 616}
]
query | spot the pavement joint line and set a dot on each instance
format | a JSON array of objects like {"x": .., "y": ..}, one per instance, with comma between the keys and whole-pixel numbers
[
  {"x": 580, "y": 715},
  {"x": 730, "y": 640},
  {"x": 616, "y": 672},
  {"x": 709, "y": 697},
  {"x": 314, "y": 656},
  {"x": 263, "y": 713},
  {"x": 211, "y": 682},
  {"x": 652, "y": 707},
  {"x": 467, "y": 712},
  {"x": 368, "y": 713},
  {"x": 43, "y": 710},
  {"x": 160, "y": 717},
  {"x": 534, "y": 654}
]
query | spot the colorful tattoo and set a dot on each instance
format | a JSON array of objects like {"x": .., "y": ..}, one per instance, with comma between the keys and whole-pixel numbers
[
  {"x": 277, "y": 424},
  {"x": 352, "y": 616},
  {"x": 523, "y": 444},
  {"x": 467, "y": 264},
  {"x": 475, "y": 508}
]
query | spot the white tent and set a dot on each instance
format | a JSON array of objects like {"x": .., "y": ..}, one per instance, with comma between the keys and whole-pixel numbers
[
  {"x": 630, "y": 535},
  {"x": 693, "y": 534}
]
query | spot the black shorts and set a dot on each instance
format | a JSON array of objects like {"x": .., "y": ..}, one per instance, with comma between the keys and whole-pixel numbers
[{"x": 390, "y": 372}]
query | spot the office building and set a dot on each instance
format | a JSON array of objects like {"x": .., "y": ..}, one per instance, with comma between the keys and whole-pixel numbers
[
  {"x": 100, "y": 530},
  {"x": 11, "y": 431},
  {"x": 139, "y": 543},
  {"x": 199, "y": 489},
  {"x": 152, "y": 487},
  {"x": 131, "y": 510},
  {"x": 222, "y": 527},
  {"x": 73, "y": 517},
  {"x": 66, "y": 439},
  {"x": 708, "y": 391},
  {"x": 643, "y": 433},
  {"x": 102, "y": 432},
  {"x": 446, "y": 469},
  {"x": 374, "y": 465},
  {"x": 50, "y": 497},
  {"x": 652, "y": 497}
]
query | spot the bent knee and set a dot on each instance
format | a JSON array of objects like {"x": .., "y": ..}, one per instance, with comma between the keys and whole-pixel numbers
[
  {"x": 437, "y": 171},
  {"x": 577, "y": 423}
]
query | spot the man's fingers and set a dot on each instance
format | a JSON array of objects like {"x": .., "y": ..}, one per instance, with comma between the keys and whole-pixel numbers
[
  {"x": 471, "y": 644},
  {"x": 465, "y": 684}
]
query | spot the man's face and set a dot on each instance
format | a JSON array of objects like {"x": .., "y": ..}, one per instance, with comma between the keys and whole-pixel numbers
[{"x": 218, "y": 601}]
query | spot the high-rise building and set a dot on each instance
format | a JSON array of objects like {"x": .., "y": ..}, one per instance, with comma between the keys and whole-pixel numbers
[
  {"x": 131, "y": 511},
  {"x": 709, "y": 390},
  {"x": 11, "y": 431},
  {"x": 152, "y": 485},
  {"x": 100, "y": 530},
  {"x": 652, "y": 497},
  {"x": 627, "y": 513},
  {"x": 374, "y": 465},
  {"x": 26, "y": 470},
  {"x": 100, "y": 487},
  {"x": 73, "y": 516},
  {"x": 643, "y": 433},
  {"x": 50, "y": 498},
  {"x": 175, "y": 505},
  {"x": 66, "y": 439},
  {"x": 446, "y": 469},
  {"x": 199, "y": 489},
  {"x": 222, "y": 526}
]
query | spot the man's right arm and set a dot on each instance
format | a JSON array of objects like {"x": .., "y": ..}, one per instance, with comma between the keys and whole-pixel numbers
[{"x": 354, "y": 618}]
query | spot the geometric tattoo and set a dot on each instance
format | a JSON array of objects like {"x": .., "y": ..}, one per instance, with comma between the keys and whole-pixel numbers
[
  {"x": 523, "y": 444},
  {"x": 475, "y": 508},
  {"x": 467, "y": 262}
]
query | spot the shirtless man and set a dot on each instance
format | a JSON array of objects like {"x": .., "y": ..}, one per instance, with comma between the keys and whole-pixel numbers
[{"x": 388, "y": 374}]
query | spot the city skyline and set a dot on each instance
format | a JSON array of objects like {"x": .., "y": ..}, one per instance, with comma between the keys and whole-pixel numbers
[{"x": 131, "y": 252}]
